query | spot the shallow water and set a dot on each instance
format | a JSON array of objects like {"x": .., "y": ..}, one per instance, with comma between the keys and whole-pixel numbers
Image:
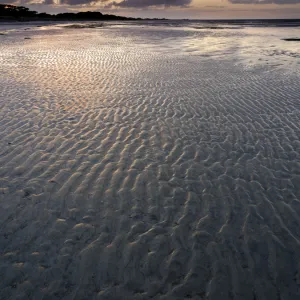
[{"x": 149, "y": 162}]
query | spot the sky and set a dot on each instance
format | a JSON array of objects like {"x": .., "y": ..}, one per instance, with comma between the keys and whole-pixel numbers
[{"x": 173, "y": 9}]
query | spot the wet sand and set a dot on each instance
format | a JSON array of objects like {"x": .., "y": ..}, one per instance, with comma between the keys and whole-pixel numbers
[{"x": 133, "y": 168}]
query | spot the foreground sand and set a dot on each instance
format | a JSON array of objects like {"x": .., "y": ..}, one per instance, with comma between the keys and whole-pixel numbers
[{"x": 129, "y": 170}]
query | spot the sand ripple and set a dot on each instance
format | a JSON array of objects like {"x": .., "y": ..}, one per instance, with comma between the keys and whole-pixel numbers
[{"x": 131, "y": 173}]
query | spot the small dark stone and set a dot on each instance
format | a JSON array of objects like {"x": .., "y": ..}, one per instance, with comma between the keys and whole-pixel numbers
[{"x": 26, "y": 194}]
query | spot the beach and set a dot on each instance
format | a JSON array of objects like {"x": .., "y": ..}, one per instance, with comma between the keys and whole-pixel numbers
[{"x": 144, "y": 161}]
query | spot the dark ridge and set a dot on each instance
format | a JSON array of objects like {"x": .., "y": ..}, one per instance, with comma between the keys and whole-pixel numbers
[
  {"x": 19, "y": 13},
  {"x": 292, "y": 39},
  {"x": 10, "y": 12}
]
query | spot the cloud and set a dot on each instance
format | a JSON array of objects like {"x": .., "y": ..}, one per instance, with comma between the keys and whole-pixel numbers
[
  {"x": 81, "y": 2},
  {"x": 149, "y": 3},
  {"x": 215, "y": 6},
  {"x": 7, "y": 1},
  {"x": 264, "y": 1},
  {"x": 141, "y": 3},
  {"x": 122, "y": 4},
  {"x": 53, "y": 2},
  {"x": 74, "y": 2}
]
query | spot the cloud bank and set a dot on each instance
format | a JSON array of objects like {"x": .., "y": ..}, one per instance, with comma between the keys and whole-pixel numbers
[
  {"x": 149, "y": 3},
  {"x": 123, "y": 3},
  {"x": 264, "y": 1},
  {"x": 141, "y": 3}
]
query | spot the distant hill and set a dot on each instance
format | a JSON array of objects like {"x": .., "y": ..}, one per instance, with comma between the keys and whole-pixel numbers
[{"x": 20, "y": 13}]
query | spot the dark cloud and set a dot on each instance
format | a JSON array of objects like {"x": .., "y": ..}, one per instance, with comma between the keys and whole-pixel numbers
[
  {"x": 7, "y": 1},
  {"x": 48, "y": 2},
  {"x": 215, "y": 6},
  {"x": 145, "y": 3},
  {"x": 81, "y": 2},
  {"x": 52, "y": 2},
  {"x": 264, "y": 1},
  {"x": 74, "y": 2},
  {"x": 149, "y": 3}
]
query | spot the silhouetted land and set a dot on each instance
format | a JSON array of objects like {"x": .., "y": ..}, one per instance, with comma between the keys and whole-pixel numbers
[{"x": 20, "y": 13}]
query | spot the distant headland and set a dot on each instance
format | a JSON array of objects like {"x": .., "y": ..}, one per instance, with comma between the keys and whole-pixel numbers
[
  {"x": 11, "y": 13},
  {"x": 20, "y": 13}
]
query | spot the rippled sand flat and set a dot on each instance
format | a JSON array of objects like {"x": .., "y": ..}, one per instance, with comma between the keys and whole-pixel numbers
[{"x": 134, "y": 168}]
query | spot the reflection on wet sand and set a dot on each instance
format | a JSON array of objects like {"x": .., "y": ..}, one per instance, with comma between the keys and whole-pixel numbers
[{"x": 149, "y": 163}]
